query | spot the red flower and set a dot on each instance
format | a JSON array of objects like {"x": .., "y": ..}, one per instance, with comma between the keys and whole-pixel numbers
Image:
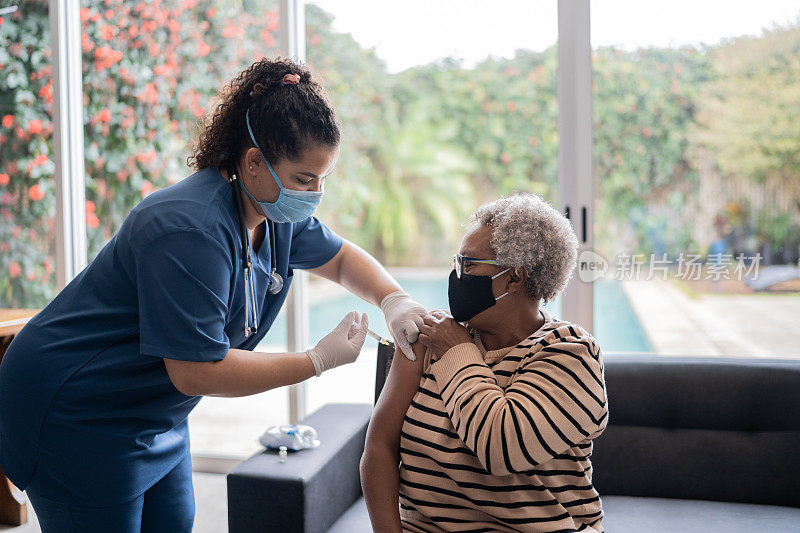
[
  {"x": 35, "y": 193},
  {"x": 203, "y": 49},
  {"x": 104, "y": 115},
  {"x": 107, "y": 33},
  {"x": 46, "y": 92},
  {"x": 4, "y": 179},
  {"x": 90, "y": 207},
  {"x": 149, "y": 94},
  {"x": 231, "y": 31},
  {"x": 146, "y": 188},
  {"x": 92, "y": 221},
  {"x": 8, "y": 121},
  {"x": 40, "y": 159},
  {"x": 35, "y": 127},
  {"x": 86, "y": 43},
  {"x": 173, "y": 25},
  {"x": 106, "y": 57},
  {"x": 14, "y": 269}
]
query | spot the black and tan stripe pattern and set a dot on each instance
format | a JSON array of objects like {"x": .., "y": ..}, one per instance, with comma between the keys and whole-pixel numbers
[{"x": 501, "y": 441}]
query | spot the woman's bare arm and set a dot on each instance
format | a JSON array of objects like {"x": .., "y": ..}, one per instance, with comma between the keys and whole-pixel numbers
[
  {"x": 240, "y": 373},
  {"x": 379, "y": 465}
]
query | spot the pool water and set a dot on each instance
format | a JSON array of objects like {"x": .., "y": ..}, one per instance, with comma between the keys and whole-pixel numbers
[{"x": 616, "y": 327}]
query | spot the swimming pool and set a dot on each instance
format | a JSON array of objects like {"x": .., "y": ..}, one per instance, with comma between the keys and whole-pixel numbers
[{"x": 616, "y": 327}]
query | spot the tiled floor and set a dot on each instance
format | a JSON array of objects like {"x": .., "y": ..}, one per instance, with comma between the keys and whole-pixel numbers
[
  {"x": 708, "y": 324},
  {"x": 211, "y": 504}
]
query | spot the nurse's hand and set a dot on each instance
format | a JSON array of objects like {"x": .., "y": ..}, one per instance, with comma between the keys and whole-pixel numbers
[
  {"x": 404, "y": 317},
  {"x": 342, "y": 345}
]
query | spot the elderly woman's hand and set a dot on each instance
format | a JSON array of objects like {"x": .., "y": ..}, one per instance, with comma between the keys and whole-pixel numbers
[{"x": 439, "y": 332}]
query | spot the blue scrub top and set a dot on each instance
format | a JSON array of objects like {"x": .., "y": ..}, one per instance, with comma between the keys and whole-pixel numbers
[{"x": 85, "y": 398}]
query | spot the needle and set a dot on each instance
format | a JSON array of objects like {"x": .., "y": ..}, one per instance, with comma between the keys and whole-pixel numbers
[{"x": 377, "y": 337}]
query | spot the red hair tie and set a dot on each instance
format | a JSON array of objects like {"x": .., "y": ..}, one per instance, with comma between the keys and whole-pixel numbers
[{"x": 290, "y": 79}]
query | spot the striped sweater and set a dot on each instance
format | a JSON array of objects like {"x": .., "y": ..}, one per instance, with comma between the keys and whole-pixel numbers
[{"x": 501, "y": 440}]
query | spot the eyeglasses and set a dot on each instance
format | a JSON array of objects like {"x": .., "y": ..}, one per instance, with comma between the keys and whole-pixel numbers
[{"x": 459, "y": 261}]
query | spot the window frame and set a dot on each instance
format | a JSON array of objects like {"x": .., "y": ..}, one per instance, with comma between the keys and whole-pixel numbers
[{"x": 574, "y": 94}]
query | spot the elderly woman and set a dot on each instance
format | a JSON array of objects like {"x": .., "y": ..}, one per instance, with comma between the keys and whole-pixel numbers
[{"x": 492, "y": 425}]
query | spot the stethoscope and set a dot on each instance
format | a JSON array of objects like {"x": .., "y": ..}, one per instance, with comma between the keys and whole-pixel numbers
[{"x": 275, "y": 279}]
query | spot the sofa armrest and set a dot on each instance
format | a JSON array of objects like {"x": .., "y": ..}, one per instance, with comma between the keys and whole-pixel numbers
[{"x": 312, "y": 488}]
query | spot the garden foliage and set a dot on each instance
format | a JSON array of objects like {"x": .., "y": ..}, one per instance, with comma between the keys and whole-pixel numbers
[{"x": 421, "y": 148}]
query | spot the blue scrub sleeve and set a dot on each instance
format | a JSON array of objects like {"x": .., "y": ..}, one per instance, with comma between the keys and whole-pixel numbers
[
  {"x": 183, "y": 280},
  {"x": 313, "y": 244}
]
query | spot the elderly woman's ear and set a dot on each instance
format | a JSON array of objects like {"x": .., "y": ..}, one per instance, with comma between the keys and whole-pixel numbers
[{"x": 517, "y": 280}]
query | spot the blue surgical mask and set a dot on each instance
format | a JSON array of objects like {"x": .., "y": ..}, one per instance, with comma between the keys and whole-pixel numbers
[{"x": 291, "y": 206}]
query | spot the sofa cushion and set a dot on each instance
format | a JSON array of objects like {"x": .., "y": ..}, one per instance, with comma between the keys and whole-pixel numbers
[
  {"x": 719, "y": 429},
  {"x": 643, "y": 515},
  {"x": 624, "y": 514},
  {"x": 354, "y": 520}
]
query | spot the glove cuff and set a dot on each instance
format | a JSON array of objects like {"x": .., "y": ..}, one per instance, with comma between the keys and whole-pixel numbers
[
  {"x": 392, "y": 298},
  {"x": 318, "y": 370}
]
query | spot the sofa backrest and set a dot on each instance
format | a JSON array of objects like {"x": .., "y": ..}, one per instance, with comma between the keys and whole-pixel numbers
[{"x": 725, "y": 429}]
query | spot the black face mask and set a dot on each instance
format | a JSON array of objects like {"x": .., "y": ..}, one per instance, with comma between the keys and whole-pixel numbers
[{"x": 470, "y": 295}]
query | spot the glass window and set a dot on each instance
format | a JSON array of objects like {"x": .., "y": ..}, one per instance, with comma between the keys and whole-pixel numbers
[
  {"x": 27, "y": 185},
  {"x": 151, "y": 71},
  {"x": 434, "y": 124},
  {"x": 697, "y": 205}
]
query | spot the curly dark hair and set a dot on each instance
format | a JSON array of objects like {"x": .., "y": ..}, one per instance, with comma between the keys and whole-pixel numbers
[{"x": 286, "y": 118}]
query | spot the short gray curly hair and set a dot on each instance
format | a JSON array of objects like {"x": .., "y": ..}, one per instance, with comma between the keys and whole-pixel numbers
[{"x": 529, "y": 233}]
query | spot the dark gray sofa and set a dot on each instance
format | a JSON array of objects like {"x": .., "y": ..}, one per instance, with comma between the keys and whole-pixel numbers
[{"x": 693, "y": 445}]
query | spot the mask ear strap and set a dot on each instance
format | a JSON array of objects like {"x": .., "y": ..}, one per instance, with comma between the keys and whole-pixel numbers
[
  {"x": 501, "y": 273},
  {"x": 513, "y": 270},
  {"x": 253, "y": 138}
]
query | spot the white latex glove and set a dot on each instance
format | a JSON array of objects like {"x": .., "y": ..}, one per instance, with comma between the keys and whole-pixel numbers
[
  {"x": 342, "y": 345},
  {"x": 404, "y": 317}
]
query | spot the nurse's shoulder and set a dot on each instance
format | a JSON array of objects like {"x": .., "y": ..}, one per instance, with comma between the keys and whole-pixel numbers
[{"x": 200, "y": 202}]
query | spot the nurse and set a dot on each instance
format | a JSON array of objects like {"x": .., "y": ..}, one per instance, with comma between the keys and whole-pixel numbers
[{"x": 95, "y": 391}]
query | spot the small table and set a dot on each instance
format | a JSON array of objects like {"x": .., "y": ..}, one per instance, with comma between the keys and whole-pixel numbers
[{"x": 13, "y": 510}]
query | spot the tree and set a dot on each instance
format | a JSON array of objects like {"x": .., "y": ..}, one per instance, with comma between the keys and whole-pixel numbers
[{"x": 750, "y": 112}]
